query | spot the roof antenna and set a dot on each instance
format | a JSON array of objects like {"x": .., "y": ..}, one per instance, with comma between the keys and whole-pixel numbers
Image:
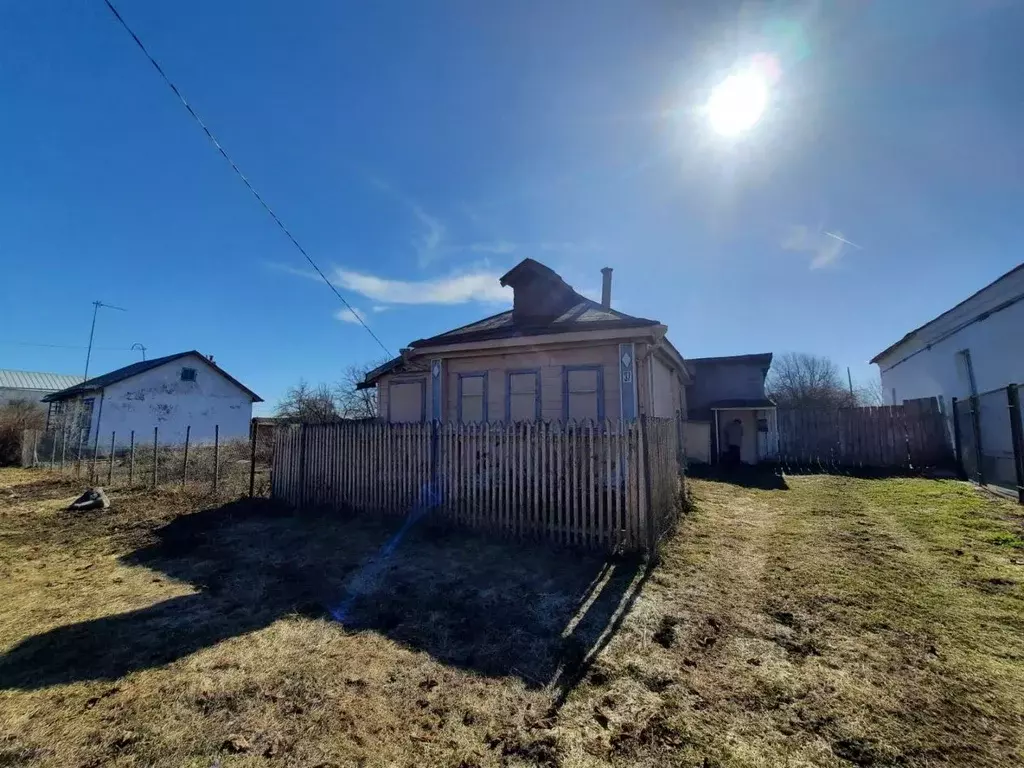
[
  {"x": 142, "y": 347},
  {"x": 92, "y": 331}
]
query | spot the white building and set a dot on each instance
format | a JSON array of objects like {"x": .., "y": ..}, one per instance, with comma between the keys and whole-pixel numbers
[
  {"x": 975, "y": 347},
  {"x": 170, "y": 393},
  {"x": 32, "y": 385}
]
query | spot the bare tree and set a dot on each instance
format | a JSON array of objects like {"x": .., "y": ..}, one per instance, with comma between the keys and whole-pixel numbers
[
  {"x": 810, "y": 381},
  {"x": 15, "y": 417},
  {"x": 355, "y": 403},
  {"x": 324, "y": 403},
  {"x": 309, "y": 404},
  {"x": 871, "y": 393}
]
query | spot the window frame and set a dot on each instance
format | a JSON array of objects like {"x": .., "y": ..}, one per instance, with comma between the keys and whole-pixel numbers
[
  {"x": 422, "y": 381},
  {"x": 566, "y": 370},
  {"x": 483, "y": 410},
  {"x": 508, "y": 391},
  {"x": 184, "y": 370}
]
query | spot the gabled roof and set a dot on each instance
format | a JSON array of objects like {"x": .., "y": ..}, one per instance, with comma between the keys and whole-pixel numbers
[
  {"x": 584, "y": 315},
  {"x": 99, "y": 382},
  {"x": 38, "y": 380},
  {"x": 544, "y": 304}
]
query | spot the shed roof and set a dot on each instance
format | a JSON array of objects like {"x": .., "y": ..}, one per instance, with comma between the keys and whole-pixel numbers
[
  {"x": 37, "y": 380},
  {"x": 765, "y": 358},
  {"x": 99, "y": 382}
]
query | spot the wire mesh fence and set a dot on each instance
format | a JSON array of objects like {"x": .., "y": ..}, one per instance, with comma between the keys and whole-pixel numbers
[
  {"x": 144, "y": 460},
  {"x": 989, "y": 429}
]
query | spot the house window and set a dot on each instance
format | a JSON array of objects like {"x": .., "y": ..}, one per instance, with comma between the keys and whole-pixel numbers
[
  {"x": 85, "y": 416},
  {"x": 523, "y": 390},
  {"x": 188, "y": 374},
  {"x": 583, "y": 393},
  {"x": 472, "y": 397},
  {"x": 407, "y": 401}
]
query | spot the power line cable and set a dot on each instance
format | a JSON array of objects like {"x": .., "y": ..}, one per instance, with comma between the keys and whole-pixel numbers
[
  {"x": 236, "y": 169},
  {"x": 62, "y": 346}
]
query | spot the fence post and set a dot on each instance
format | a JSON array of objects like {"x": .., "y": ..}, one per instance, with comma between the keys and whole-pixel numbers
[
  {"x": 131, "y": 462},
  {"x": 1017, "y": 433},
  {"x": 93, "y": 477},
  {"x": 958, "y": 451},
  {"x": 53, "y": 449},
  {"x": 155, "y": 456},
  {"x": 110, "y": 460},
  {"x": 303, "y": 435},
  {"x": 216, "y": 457},
  {"x": 253, "y": 429},
  {"x": 184, "y": 467},
  {"x": 976, "y": 426},
  {"x": 81, "y": 442},
  {"x": 652, "y": 536},
  {"x": 63, "y": 447}
]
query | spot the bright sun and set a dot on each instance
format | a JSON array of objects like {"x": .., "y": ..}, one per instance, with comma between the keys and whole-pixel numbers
[{"x": 737, "y": 103}]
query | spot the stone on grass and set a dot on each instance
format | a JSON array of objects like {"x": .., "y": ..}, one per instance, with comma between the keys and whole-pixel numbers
[{"x": 94, "y": 498}]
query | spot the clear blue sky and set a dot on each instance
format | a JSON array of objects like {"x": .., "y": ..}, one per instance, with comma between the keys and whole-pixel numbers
[{"x": 418, "y": 150}]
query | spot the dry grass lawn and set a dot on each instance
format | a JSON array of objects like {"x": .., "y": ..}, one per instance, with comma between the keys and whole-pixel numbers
[{"x": 833, "y": 622}]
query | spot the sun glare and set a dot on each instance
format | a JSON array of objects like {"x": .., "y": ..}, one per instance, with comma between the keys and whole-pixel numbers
[{"x": 737, "y": 103}]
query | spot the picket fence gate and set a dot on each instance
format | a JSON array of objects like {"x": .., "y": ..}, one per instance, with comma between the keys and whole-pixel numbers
[{"x": 584, "y": 484}]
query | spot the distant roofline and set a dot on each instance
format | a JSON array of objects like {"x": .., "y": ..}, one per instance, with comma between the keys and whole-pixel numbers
[
  {"x": 758, "y": 357},
  {"x": 18, "y": 371},
  {"x": 908, "y": 336}
]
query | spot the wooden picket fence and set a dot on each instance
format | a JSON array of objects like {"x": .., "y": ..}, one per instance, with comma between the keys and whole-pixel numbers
[
  {"x": 584, "y": 484},
  {"x": 912, "y": 435}
]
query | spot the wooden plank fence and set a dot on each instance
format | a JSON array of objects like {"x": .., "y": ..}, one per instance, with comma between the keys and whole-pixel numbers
[
  {"x": 912, "y": 435},
  {"x": 582, "y": 484}
]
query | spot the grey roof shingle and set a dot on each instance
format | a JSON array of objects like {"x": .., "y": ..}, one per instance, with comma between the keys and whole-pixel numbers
[
  {"x": 36, "y": 380},
  {"x": 584, "y": 315}
]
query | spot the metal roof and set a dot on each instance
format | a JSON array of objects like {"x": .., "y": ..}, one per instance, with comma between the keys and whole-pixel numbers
[
  {"x": 141, "y": 367},
  {"x": 36, "y": 380}
]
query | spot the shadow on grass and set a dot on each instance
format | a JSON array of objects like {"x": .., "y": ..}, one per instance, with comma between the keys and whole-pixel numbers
[
  {"x": 471, "y": 601},
  {"x": 767, "y": 477}
]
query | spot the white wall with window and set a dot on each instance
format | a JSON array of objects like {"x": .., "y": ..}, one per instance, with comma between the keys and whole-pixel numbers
[{"x": 182, "y": 393}]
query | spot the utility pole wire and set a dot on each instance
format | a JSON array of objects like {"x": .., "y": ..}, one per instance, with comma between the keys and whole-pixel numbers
[
  {"x": 236, "y": 169},
  {"x": 92, "y": 331}
]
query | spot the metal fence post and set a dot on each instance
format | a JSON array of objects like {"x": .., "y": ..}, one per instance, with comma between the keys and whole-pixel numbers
[
  {"x": 110, "y": 460},
  {"x": 976, "y": 426},
  {"x": 131, "y": 461},
  {"x": 216, "y": 457},
  {"x": 958, "y": 451},
  {"x": 184, "y": 468},
  {"x": 93, "y": 477},
  {"x": 253, "y": 430},
  {"x": 155, "y": 458},
  {"x": 1017, "y": 433},
  {"x": 78, "y": 458}
]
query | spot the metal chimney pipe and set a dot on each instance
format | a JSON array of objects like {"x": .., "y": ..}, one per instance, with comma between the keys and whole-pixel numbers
[{"x": 606, "y": 288}]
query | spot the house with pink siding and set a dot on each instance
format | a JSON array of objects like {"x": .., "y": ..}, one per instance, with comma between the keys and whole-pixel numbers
[{"x": 555, "y": 356}]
